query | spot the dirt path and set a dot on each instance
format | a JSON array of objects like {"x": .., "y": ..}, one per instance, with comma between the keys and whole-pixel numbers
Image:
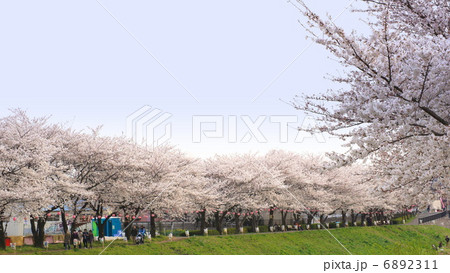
[
  {"x": 39, "y": 251},
  {"x": 174, "y": 239},
  {"x": 43, "y": 252}
]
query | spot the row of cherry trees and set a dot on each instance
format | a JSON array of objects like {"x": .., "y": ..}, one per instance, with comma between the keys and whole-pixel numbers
[{"x": 46, "y": 167}]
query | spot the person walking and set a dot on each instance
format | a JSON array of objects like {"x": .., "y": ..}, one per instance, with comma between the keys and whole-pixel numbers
[
  {"x": 67, "y": 238},
  {"x": 75, "y": 239},
  {"x": 91, "y": 238},
  {"x": 85, "y": 238},
  {"x": 134, "y": 233}
]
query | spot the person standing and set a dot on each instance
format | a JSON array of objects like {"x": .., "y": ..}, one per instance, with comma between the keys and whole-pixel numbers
[
  {"x": 134, "y": 233},
  {"x": 67, "y": 238},
  {"x": 143, "y": 232},
  {"x": 91, "y": 238},
  {"x": 75, "y": 239},
  {"x": 85, "y": 238}
]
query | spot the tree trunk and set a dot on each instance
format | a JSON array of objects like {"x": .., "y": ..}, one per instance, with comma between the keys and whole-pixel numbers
[
  {"x": 323, "y": 218},
  {"x": 64, "y": 221},
  {"x": 237, "y": 223},
  {"x": 38, "y": 231},
  {"x": 296, "y": 217},
  {"x": 370, "y": 219},
  {"x": 344, "y": 217},
  {"x": 254, "y": 222},
  {"x": 202, "y": 221},
  {"x": 152, "y": 224},
  {"x": 216, "y": 221},
  {"x": 219, "y": 221},
  {"x": 126, "y": 224},
  {"x": 270, "y": 217},
  {"x": 244, "y": 218},
  {"x": 310, "y": 218},
  {"x": 100, "y": 226},
  {"x": 41, "y": 233},
  {"x": 2, "y": 236},
  {"x": 354, "y": 216},
  {"x": 363, "y": 218},
  {"x": 283, "y": 218}
]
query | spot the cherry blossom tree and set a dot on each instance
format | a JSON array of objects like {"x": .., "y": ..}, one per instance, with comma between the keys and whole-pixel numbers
[
  {"x": 317, "y": 190},
  {"x": 244, "y": 184},
  {"x": 56, "y": 184},
  {"x": 295, "y": 171},
  {"x": 156, "y": 181},
  {"x": 21, "y": 153},
  {"x": 395, "y": 107},
  {"x": 33, "y": 177},
  {"x": 95, "y": 163},
  {"x": 130, "y": 193},
  {"x": 350, "y": 190},
  {"x": 168, "y": 172},
  {"x": 198, "y": 193}
]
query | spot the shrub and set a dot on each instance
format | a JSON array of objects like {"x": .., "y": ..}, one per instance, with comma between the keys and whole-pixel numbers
[
  {"x": 210, "y": 232},
  {"x": 213, "y": 232},
  {"x": 233, "y": 230},
  {"x": 333, "y": 225},
  {"x": 263, "y": 229},
  {"x": 178, "y": 232},
  {"x": 198, "y": 232}
]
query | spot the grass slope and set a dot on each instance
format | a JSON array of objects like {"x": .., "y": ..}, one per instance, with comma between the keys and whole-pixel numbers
[{"x": 398, "y": 239}]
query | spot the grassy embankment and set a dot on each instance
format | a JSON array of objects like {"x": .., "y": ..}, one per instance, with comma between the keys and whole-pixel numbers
[{"x": 394, "y": 239}]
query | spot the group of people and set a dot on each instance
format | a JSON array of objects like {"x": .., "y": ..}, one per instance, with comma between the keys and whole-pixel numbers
[
  {"x": 78, "y": 238},
  {"x": 441, "y": 246},
  {"x": 138, "y": 235}
]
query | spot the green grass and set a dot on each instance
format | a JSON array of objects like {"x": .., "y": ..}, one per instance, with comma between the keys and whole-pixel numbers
[
  {"x": 400, "y": 239},
  {"x": 399, "y": 220}
]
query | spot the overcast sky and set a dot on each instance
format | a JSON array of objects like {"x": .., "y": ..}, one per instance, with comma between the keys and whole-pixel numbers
[{"x": 87, "y": 63}]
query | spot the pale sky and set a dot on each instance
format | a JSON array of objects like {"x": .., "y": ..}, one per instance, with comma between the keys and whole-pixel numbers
[{"x": 73, "y": 61}]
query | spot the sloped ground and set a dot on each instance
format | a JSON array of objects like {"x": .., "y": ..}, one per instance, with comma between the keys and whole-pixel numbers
[{"x": 400, "y": 239}]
